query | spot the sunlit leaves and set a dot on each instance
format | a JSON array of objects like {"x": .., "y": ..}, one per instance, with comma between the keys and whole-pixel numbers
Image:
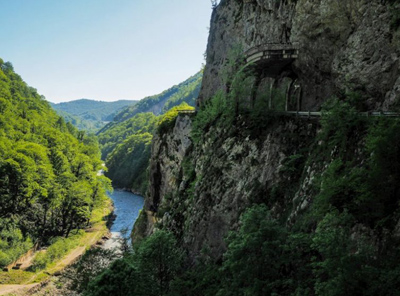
[{"x": 48, "y": 177}]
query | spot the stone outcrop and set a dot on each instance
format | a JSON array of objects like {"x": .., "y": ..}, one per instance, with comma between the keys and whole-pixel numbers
[
  {"x": 199, "y": 191},
  {"x": 343, "y": 46},
  {"x": 202, "y": 203}
]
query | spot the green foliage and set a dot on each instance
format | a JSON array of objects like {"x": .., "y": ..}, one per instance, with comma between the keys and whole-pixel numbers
[
  {"x": 342, "y": 266},
  {"x": 367, "y": 189},
  {"x": 254, "y": 257},
  {"x": 59, "y": 247},
  {"x": 186, "y": 91},
  {"x": 381, "y": 187},
  {"x": 217, "y": 108},
  {"x": 340, "y": 124},
  {"x": 203, "y": 279},
  {"x": 12, "y": 242},
  {"x": 120, "y": 279},
  {"x": 266, "y": 258},
  {"x": 158, "y": 261},
  {"x": 119, "y": 132},
  {"x": 126, "y": 147},
  {"x": 148, "y": 271},
  {"x": 395, "y": 10},
  {"x": 242, "y": 104},
  {"x": 128, "y": 162},
  {"x": 188, "y": 168},
  {"x": 167, "y": 121},
  {"x": 48, "y": 170},
  {"x": 89, "y": 266}
]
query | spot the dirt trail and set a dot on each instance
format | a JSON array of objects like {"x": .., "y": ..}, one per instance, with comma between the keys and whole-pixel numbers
[
  {"x": 27, "y": 262},
  {"x": 75, "y": 254},
  {"x": 66, "y": 261},
  {"x": 16, "y": 289}
]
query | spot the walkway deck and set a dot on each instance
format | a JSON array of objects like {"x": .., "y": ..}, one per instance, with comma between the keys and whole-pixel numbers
[
  {"x": 318, "y": 114},
  {"x": 272, "y": 58}
]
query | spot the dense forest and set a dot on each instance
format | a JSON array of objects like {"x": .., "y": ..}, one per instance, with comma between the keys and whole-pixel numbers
[
  {"x": 48, "y": 170},
  {"x": 90, "y": 115}
]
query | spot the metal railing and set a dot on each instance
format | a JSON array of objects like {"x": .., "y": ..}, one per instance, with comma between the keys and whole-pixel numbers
[
  {"x": 270, "y": 47},
  {"x": 186, "y": 111},
  {"x": 318, "y": 113}
]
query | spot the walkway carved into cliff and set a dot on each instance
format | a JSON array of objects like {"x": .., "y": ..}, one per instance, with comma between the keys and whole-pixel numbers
[
  {"x": 272, "y": 58},
  {"x": 316, "y": 114}
]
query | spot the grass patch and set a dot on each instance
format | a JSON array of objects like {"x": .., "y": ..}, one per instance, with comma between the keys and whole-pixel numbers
[
  {"x": 15, "y": 277},
  {"x": 61, "y": 248},
  {"x": 58, "y": 249}
]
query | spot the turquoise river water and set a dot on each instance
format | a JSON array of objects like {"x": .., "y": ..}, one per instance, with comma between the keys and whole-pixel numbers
[{"x": 126, "y": 206}]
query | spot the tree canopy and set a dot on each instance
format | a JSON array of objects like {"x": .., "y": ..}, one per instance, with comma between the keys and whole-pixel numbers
[{"x": 48, "y": 170}]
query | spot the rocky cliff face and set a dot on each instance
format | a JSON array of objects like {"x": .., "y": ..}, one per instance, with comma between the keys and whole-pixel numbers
[
  {"x": 343, "y": 45},
  {"x": 199, "y": 191}
]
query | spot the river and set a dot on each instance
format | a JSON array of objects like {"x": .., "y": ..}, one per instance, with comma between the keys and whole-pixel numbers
[{"x": 126, "y": 206}]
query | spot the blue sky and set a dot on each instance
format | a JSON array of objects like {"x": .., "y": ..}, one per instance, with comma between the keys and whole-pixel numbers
[{"x": 104, "y": 49}]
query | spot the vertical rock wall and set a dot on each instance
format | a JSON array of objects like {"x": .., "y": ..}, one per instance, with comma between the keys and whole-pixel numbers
[
  {"x": 343, "y": 46},
  {"x": 199, "y": 192}
]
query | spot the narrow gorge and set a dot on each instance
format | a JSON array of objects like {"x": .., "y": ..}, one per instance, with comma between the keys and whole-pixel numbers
[{"x": 274, "y": 170}]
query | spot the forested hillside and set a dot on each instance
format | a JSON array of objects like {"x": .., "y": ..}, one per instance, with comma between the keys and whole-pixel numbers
[
  {"x": 186, "y": 91},
  {"x": 90, "y": 115},
  {"x": 48, "y": 170},
  {"x": 116, "y": 134}
]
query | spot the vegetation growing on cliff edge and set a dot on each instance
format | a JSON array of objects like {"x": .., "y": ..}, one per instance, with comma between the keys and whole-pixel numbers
[
  {"x": 167, "y": 121},
  {"x": 127, "y": 146},
  {"x": 240, "y": 106},
  {"x": 48, "y": 170},
  {"x": 362, "y": 174}
]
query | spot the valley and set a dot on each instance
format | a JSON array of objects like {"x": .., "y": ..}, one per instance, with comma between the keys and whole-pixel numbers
[{"x": 274, "y": 170}]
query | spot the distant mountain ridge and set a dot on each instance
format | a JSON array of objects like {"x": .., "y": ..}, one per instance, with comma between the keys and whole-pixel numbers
[
  {"x": 187, "y": 92},
  {"x": 89, "y": 114}
]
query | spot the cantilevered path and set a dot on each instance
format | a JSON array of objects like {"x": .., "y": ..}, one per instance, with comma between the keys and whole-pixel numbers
[
  {"x": 317, "y": 114},
  {"x": 271, "y": 58}
]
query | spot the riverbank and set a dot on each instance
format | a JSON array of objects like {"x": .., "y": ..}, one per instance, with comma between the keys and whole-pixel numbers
[
  {"x": 19, "y": 282},
  {"x": 76, "y": 276}
]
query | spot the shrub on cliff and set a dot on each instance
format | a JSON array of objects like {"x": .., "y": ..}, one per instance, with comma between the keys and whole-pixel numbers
[{"x": 167, "y": 121}]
